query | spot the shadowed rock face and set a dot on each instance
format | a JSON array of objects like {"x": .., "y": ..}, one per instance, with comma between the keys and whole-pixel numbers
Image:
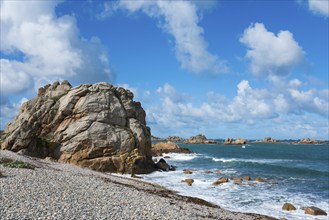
[{"x": 97, "y": 126}]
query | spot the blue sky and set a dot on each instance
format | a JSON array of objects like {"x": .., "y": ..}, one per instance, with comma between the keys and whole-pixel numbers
[{"x": 249, "y": 69}]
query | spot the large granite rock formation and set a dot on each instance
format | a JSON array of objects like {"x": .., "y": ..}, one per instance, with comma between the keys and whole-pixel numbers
[{"x": 97, "y": 126}]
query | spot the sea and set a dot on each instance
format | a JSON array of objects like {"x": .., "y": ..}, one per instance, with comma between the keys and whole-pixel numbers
[{"x": 294, "y": 173}]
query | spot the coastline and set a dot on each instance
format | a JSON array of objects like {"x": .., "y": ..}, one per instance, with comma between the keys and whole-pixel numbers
[{"x": 62, "y": 191}]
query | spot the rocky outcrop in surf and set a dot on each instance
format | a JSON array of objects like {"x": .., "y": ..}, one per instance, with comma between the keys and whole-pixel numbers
[{"x": 98, "y": 126}]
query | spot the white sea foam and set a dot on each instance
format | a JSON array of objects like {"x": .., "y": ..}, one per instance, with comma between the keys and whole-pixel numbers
[
  {"x": 263, "y": 198},
  {"x": 182, "y": 157},
  {"x": 262, "y": 161},
  {"x": 292, "y": 186},
  {"x": 223, "y": 160}
]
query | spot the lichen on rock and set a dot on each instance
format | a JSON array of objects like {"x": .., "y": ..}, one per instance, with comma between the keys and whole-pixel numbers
[{"x": 98, "y": 126}]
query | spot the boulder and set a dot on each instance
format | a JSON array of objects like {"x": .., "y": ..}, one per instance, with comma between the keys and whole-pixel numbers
[
  {"x": 188, "y": 181},
  {"x": 238, "y": 181},
  {"x": 97, "y": 126},
  {"x": 220, "y": 181},
  {"x": 247, "y": 178},
  {"x": 187, "y": 171},
  {"x": 208, "y": 172},
  {"x": 168, "y": 147},
  {"x": 314, "y": 211},
  {"x": 288, "y": 207},
  {"x": 162, "y": 165},
  {"x": 199, "y": 139},
  {"x": 258, "y": 179}
]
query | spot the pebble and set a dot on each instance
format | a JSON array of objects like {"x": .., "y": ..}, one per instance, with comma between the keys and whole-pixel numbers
[{"x": 62, "y": 191}]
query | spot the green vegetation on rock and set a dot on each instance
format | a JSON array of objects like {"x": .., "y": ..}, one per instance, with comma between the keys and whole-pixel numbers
[{"x": 6, "y": 162}]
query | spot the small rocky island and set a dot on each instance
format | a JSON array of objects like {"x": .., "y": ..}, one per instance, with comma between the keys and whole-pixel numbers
[
  {"x": 97, "y": 126},
  {"x": 267, "y": 140},
  {"x": 231, "y": 141},
  {"x": 175, "y": 139},
  {"x": 309, "y": 141},
  {"x": 199, "y": 139}
]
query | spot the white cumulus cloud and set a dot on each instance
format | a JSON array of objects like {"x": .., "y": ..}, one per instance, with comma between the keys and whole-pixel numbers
[
  {"x": 180, "y": 19},
  {"x": 319, "y": 7},
  {"x": 255, "y": 107},
  {"x": 270, "y": 53},
  {"x": 47, "y": 46},
  {"x": 13, "y": 78}
]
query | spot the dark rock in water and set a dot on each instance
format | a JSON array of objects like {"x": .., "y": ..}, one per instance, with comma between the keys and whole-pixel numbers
[
  {"x": 162, "y": 165},
  {"x": 314, "y": 211},
  {"x": 172, "y": 168},
  {"x": 96, "y": 126},
  {"x": 208, "y": 172},
  {"x": 187, "y": 171},
  {"x": 288, "y": 207}
]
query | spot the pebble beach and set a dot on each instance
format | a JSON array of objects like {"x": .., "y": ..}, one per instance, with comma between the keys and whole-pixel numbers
[{"x": 61, "y": 191}]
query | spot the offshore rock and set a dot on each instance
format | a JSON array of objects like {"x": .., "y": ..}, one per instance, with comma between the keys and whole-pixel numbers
[
  {"x": 162, "y": 165},
  {"x": 96, "y": 126},
  {"x": 220, "y": 181},
  {"x": 315, "y": 211},
  {"x": 288, "y": 207}
]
